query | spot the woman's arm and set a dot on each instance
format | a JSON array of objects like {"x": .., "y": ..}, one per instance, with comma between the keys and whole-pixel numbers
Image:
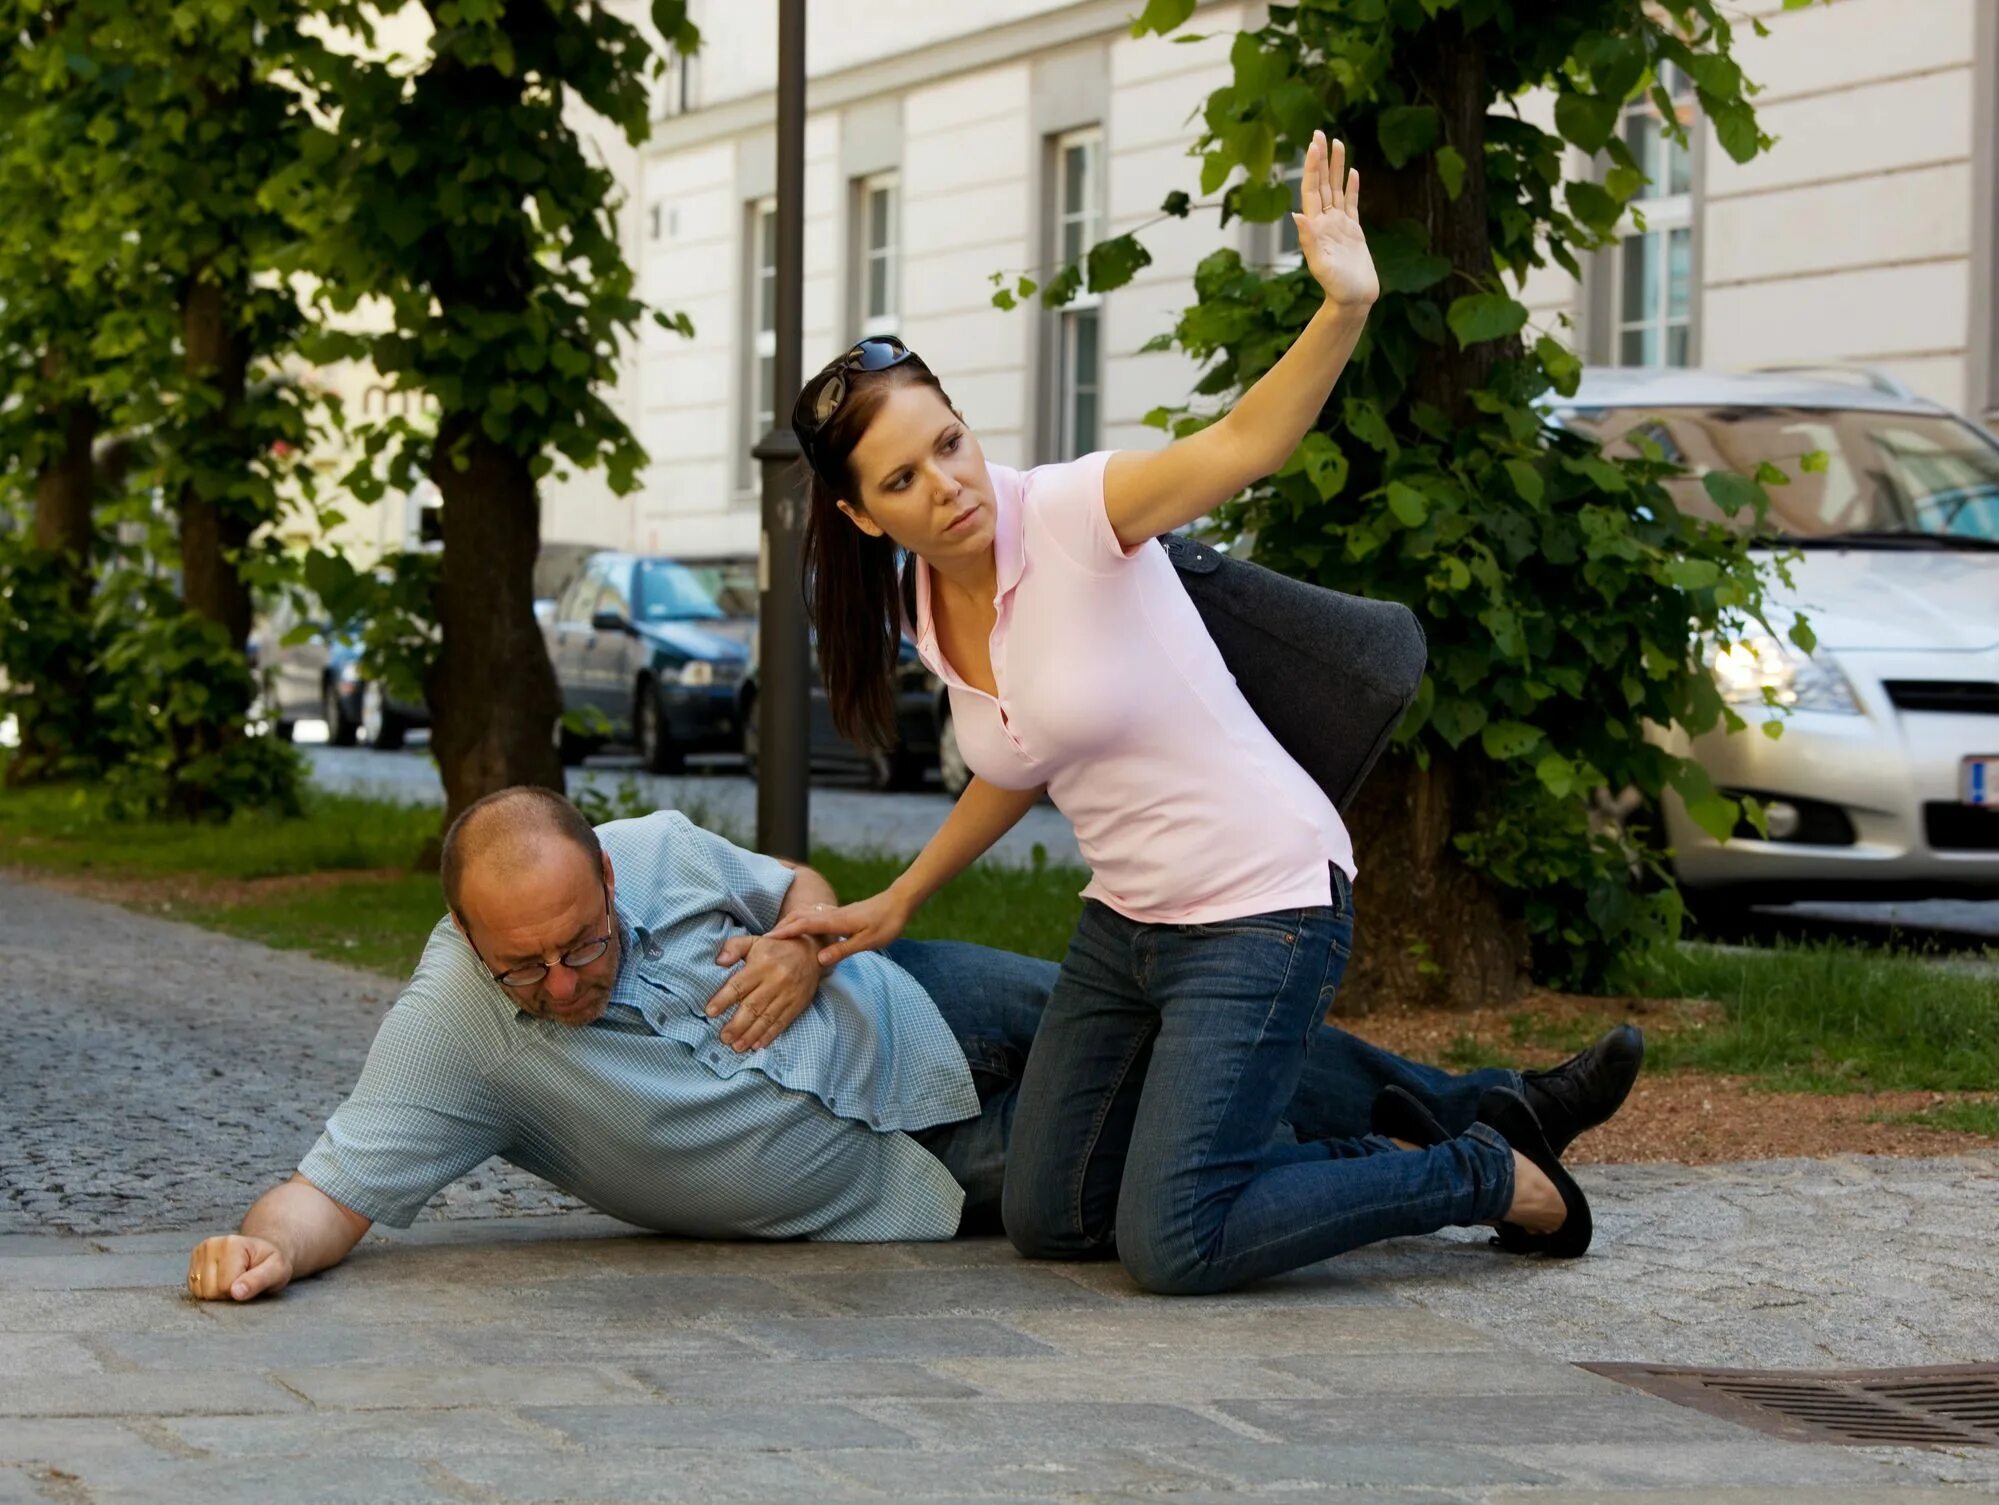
[
  {"x": 1148, "y": 493},
  {"x": 984, "y": 813}
]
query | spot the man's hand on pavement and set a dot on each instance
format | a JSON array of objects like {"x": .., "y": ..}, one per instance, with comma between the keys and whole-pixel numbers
[
  {"x": 236, "y": 1267},
  {"x": 776, "y": 984}
]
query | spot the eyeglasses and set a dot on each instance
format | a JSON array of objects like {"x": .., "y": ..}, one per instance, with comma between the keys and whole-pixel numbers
[
  {"x": 820, "y": 398},
  {"x": 529, "y": 973}
]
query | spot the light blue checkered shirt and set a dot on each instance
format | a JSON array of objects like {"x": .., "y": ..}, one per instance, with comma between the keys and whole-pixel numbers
[{"x": 645, "y": 1114}]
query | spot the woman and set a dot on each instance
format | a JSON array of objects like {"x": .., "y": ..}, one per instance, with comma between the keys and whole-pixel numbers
[{"x": 1219, "y": 914}]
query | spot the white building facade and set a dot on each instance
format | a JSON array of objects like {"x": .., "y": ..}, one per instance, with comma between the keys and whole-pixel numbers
[{"x": 945, "y": 143}]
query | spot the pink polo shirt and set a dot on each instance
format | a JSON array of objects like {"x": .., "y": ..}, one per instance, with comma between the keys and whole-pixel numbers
[{"x": 1112, "y": 694}]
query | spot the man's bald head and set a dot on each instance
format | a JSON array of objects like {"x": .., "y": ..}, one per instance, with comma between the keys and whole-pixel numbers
[{"x": 511, "y": 833}]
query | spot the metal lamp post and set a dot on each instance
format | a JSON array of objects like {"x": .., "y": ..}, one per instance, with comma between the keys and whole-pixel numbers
[{"x": 783, "y": 750}]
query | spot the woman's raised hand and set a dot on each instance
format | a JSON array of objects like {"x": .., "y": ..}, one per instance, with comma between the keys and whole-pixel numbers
[
  {"x": 1328, "y": 224},
  {"x": 867, "y": 925}
]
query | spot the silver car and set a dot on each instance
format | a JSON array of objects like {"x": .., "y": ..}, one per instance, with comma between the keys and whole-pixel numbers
[{"x": 1885, "y": 781}]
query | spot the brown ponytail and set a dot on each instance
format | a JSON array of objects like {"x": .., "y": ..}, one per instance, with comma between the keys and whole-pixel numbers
[{"x": 856, "y": 603}]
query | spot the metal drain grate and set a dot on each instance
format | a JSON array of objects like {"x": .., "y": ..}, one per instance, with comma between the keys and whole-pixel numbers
[{"x": 1951, "y": 1406}]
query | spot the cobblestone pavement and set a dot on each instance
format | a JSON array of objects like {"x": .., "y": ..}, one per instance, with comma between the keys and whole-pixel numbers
[{"x": 514, "y": 1348}]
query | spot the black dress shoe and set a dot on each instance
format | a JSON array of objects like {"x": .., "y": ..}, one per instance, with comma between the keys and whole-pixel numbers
[
  {"x": 1398, "y": 1114},
  {"x": 1508, "y": 1113},
  {"x": 1587, "y": 1088}
]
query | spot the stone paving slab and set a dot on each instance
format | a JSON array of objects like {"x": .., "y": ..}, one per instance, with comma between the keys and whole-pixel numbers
[{"x": 512, "y": 1347}]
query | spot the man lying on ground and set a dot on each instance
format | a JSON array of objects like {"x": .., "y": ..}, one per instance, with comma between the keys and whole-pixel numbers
[{"x": 600, "y": 1007}]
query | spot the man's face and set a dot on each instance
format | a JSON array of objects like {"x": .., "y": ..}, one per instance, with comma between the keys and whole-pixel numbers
[{"x": 537, "y": 913}]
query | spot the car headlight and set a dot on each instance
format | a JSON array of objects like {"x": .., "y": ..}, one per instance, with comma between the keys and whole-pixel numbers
[
  {"x": 696, "y": 674},
  {"x": 1801, "y": 681}
]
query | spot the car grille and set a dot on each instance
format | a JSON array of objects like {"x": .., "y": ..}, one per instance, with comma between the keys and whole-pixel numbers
[
  {"x": 1961, "y": 828},
  {"x": 1964, "y": 696}
]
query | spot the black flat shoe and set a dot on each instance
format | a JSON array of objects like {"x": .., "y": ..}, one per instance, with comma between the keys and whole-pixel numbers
[
  {"x": 1508, "y": 1113},
  {"x": 1587, "y": 1088},
  {"x": 1397, "y": 1114}
]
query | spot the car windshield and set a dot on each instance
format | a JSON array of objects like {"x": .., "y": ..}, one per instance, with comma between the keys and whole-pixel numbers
[
  {"x": 1890, "y": 478},
  {"x": 730, "y": 583},
  {"x": 669, "y": 591}
]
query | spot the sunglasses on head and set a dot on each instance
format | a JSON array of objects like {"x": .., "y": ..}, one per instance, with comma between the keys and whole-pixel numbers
[{"x": 821, "y": 397}]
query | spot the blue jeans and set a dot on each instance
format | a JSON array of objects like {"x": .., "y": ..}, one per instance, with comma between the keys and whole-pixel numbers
[
  {"x": 1172, "y": 1110},
  {"x": 995, "y": 1003}
]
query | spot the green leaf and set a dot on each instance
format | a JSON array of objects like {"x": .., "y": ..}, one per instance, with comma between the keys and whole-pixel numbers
[
  {"x": 1114, "y": 262},
  {"x": 1715, "y": 814},
  {"x": 1320, "y": 461},
  {"x": 1557, "y": 774},
  {"x": 1407, "y": 131},
  {"x": 1735, "y": 128},
  {"x": 1162, "y": 16},
  {"x": 1456, "y": 719},
  {"x": 1410, "y": 506},
  {"x": 1563, "y": 365},
  {"x": 1527, "y": 481},
  {"x": 1801, "y": 633},
  {"x": 1451, "y": 170},
  {"x": 1593, "y": 204},
  {"x": 1587, "y": 119},
  {"x": 1732, "y": 492},
  {"x": 1509, "y": 739},
  {"x": 1177, "y": 204},
  {"x": 1478, "y": 317},
  {"x": 1402, "y": 261},
  {"x": 1691, "y": 574},
  {"x": 1814, "y": 462}
]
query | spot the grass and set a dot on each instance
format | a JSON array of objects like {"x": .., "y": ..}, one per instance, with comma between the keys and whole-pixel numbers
[
  {"x": 380, "y": 916},
  {"x": 1829, "y": 1017},
  {"x": 1820, "y": 1016},
  {"x": 1960, "y": 1118},
  {"x": 65, "y": 830}
]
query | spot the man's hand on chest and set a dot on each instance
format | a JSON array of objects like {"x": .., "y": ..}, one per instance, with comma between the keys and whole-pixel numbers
[{"x": 776, "y": 982}]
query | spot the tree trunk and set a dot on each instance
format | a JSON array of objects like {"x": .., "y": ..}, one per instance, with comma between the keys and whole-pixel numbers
[
  {"x": 213, "y": 534},
  {"x": 1430, "y": 931},
  {"x": 1445, "y": 70},
  {"x": 492, "y": 694},
  {"x": 58, "y": 701}
]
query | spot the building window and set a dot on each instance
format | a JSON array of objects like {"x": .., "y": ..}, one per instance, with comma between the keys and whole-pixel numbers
[
  {"x": 673, "y": 87},
  {"x": 761, "y": 399},
  {"x": 879, "y": 204},
  {"x": 1655, "y": 265},
  {"x": 1079, "y": 224}
]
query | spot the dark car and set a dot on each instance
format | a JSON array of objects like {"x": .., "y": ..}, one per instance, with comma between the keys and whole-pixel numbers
[
  {"x": 644, "y": 644},
  {"x": 319, "y": 678},
  {"x": 923, "y": 738}
]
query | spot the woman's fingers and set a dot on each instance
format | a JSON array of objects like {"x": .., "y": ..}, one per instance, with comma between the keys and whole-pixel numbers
[
  {"x": 1309, "y": 180},
  {"x": 1353, "y": 192},
  {"x": 1336, "y": 175}
]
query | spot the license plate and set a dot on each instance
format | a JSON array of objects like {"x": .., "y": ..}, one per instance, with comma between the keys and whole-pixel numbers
[{"x": 1978, "y": 784}]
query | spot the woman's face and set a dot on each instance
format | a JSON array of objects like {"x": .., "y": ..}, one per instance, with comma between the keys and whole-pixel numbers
[{"x": 922, "y": 478}]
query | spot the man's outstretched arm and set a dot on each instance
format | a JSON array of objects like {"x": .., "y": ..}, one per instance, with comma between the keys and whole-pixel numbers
[{"x": 291, "y": 1231}]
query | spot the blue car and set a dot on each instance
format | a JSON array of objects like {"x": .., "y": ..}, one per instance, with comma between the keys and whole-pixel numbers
[{"x": 650, "y": 652}]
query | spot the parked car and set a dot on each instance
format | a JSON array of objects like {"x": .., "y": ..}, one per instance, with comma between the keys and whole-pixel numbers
[
  {"x": 923, "y": 716},
  {"x": 319, "y": 678},
  {"x": 1885, "y": 780},
  {"x": 644, "y": 643}
]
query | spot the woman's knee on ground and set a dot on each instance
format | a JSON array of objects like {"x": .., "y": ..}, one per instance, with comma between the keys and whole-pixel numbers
[{"x": 1039, "y": 1228}]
